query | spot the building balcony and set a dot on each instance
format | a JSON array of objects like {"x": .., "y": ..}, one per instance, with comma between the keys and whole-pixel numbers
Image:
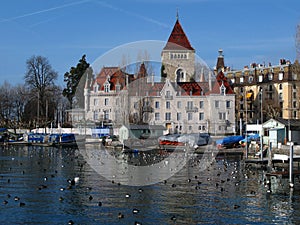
[
  {"x": 147, "y": 109},
  {"x": 169, "y": 97},
  {"x": 191, "y": 109}
]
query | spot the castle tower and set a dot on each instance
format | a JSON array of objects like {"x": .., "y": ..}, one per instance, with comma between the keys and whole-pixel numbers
[
  {"x": 178, "y": 56},
  {"x": 220, "y": 63}
]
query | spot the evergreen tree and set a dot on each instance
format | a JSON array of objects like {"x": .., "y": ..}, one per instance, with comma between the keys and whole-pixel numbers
[
  {"x": 75, "y": 81},
  {"x": 163, "y": 74}
]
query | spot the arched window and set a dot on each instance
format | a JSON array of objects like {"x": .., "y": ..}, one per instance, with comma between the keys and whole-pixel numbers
[
  {"x": 180, "y": 75},
  {"x": 222, "y": 89}
]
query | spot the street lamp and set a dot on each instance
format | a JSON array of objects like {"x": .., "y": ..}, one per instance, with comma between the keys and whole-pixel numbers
[{"x": 261, "y": 119}]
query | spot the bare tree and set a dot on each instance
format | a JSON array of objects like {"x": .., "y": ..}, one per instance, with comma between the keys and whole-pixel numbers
[
  {"x": 40, "y": 78},
  {"x": 144, "y": 57},
  {"x": 6, "y": 104}
]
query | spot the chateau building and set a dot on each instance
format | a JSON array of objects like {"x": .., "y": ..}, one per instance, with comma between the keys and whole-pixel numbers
[
  {"x": 265, "y": 91},
  {"x": 177, "y": 102}
]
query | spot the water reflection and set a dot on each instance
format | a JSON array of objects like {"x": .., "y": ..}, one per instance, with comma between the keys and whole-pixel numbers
[{"x": 224, "y": 193}]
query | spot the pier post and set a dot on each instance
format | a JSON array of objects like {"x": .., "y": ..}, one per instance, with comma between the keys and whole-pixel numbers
[
  {"x": 270, "y": 157},
  {"x": 261, "y": 147},
  {"x": 291, "y": 175}
]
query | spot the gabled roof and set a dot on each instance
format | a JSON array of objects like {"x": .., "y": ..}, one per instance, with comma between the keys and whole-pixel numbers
[
  {"x": 221, "y": 79},
  {"x": 178, "y": 39},
  {"x": 117, "y": 76},
  {"x": 141, "y": 88},
  {"x": 191, "y": 88},
  {"x": 293, "y": 123}
]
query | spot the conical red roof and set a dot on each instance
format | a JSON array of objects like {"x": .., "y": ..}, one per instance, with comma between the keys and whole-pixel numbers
[{"x": 178, "y": 39}]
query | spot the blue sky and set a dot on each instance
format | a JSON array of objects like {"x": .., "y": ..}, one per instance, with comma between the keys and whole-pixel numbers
[{"x": 63, "y": 30}]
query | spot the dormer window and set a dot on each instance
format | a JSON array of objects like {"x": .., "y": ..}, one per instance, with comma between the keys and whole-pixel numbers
[
  {"x": 95, "y": 87},
  {"x": 250, "y": 79},
  {"x": 270, "y": 76},
  {"x": 118, "y": 88},
  {"x": 222, "y": 89},
  {"x": 168, "y": 94},
  {"x": 106, "y": 87},
  {"x": 280, "y": 75},
  {"x": 260, "y": 77},
  {"x": 242, "y": 79}
]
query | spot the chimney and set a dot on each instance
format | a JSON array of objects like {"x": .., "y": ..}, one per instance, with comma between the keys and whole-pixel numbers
[
  {"x": 152, "y": 79},
  {"x": 209, "y": 81},
  {"x": 202, "y": 75},
  {"x": 126, "y": 82}
]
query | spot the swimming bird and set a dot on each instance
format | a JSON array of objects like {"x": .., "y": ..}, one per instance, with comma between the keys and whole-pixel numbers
[
  {"x": 120, "y": 216},
  {"x": 135, "y": 211}
]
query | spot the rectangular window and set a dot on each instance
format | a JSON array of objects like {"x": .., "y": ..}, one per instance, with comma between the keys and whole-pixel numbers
[
  {"x": 179, "y": 116},
  {"x": 201, "y": 105},
  {"x": 168, "y": 94},
  {"x": 189, "y": 104},
  {"x": 281, "y": 105},
  {"x": 168, "y": 105},
  {"x": 222, "y": 116},
  {"x": 118, "y": 88},
  {"x": 228, "y": 104},
  {"x": 217, "y": 104},
  {"x": 157, "y": 116},
  {"x": 270, "y": 95},
  {"x": 106, "y": 101},
  {"x": 95, "y": 115},
  {"x": 157, "y": 105},
  {"x": 106, "y": 87},
  {"x": 190, "y": 116},
  {"x": 179, "y": 105},
  {"x": 201, "y": 116},
  {"x": 168, "y": 116},
  {"x": 95, "y": 102},
  {"x": 106, "y": 115}
]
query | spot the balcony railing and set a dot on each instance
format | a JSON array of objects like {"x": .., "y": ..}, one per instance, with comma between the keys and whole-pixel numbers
[
  {"x": 169, "y": 97},
  {"x": 147, "y": 109}
]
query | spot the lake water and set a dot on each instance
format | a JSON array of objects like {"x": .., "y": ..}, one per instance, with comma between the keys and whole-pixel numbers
[{"x": 35, "y": 188}]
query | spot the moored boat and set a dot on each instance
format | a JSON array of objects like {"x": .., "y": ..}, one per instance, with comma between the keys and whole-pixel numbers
[{"x": 230, "y": 141}]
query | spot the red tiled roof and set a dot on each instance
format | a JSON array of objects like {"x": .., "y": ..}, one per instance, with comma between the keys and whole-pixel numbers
[
  {"x": 219, "y": 80},
  {"x": 141, "y": 88},
  {"x": 178, "y": 40},
  {"x": 116, "y": 76},
  {"x": 187, "y": 87}
]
